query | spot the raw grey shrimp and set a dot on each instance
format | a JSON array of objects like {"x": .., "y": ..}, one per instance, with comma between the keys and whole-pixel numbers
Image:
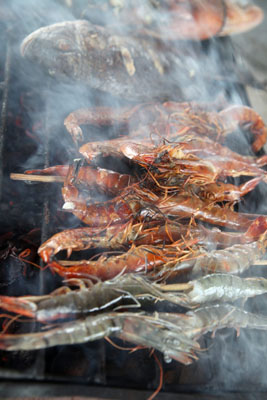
[
  {"x": 222, "y": 288},
  {"x": 147, "y": 330},
  {"x": 125, "y": 290}
]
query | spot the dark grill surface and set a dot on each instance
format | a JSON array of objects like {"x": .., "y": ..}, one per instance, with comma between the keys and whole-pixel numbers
[{"x": 31, "y": 127}]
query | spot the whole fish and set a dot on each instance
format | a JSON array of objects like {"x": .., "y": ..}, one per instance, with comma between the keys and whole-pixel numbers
[{"x": 125, "y": 66}]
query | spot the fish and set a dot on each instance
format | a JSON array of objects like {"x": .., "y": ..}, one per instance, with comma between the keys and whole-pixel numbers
[{"x": 132, "y": 68}]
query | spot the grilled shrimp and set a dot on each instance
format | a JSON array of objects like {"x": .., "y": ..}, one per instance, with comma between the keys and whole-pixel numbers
[
  {"x": 175, "y": 122},
  {"x": 153, "y": 232},
  {"x": 220, "y": 191},
  {"x": 234, "y": 259},
  {"x": 188, "y": 206},
  {"x": 137, "y": 259},
  {"x": 104, "y": 180},
  {"x": 120, "y": 209},
  {"x": 183, "y": 161}
]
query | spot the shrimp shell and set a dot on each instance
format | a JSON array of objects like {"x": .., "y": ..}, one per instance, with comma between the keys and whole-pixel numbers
[
  {"x": 139, "y": 328},
  {"x": 224, "y": 288},
  {"x": 234, "y": 259},
  {"x": 219, "y": 316},
  {"x": 125, "y": 290}
]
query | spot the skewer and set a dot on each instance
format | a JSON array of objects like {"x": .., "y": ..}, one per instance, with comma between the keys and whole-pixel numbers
[
  {"x": 176, "y": 287},
  {"x": 67, "y": 263},
  {"x": 36, "y": 178}
]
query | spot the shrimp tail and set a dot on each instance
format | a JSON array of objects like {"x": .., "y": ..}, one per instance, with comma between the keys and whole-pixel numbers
[
  {"x": 18, "y": 306},
  {"x": 256, "y": 229}
]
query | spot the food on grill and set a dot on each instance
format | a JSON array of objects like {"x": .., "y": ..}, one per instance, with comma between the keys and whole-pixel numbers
[
  {"x": 233, "y": 259},
  {"x": 175, "y": 335},
  {"x": 146, "y": 330},
  {"x": 165, "y": 20},
  {"x": 129, "y": 67},
  {"x": 104, "y": 180},
  {"x": 171, "y": 121},
  {"x": 123, "y": 66},
  {"x": 161, "y": 230},
  {"x": 153, "y": 222},
  {"x": 175, "y": 19},
  {"x": 222, "y": 288},
  {"x": 123, "y": 291}
]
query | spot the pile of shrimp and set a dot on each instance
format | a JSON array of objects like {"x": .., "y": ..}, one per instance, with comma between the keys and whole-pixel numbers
[
  {"x": 175, "y": 217},
  {"x": 178, "y": 212}
]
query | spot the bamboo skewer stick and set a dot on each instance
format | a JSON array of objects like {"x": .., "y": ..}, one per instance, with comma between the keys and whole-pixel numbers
[
  {"x": 73, "y": 262},
  {"x": 37, "y": 178},
  {"x": 176, "y": 287}
]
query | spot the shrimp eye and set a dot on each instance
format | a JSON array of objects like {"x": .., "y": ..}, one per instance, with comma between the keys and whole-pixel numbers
[{"x": 63, "y": 45}]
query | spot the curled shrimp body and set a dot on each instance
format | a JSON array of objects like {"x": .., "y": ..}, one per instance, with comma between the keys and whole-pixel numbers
[
  {"x": 174, "y": 119},
  {"x": 136, "y": 259},
  {"x": 120, "y": 209},
  {"x": 113, "y": 237},
  {"x": 219, "y": 191},
  {"x": 104, "y": 180}
]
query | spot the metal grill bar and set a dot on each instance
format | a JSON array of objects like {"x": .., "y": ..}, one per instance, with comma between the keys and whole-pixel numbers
[{"x": 5, "y": 89}]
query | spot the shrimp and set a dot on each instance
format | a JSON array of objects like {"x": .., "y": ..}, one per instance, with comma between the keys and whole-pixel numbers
[
  {"x": 219, "y": 316},
  {"x": 172, "y": 121},
  {"x": 234, "y": 259},
  {"x": 178, "y": 160},
  {"x": 153, "y": 232},
  {"x": 120, "y": 209},
  {"x": 106, "y": 181},
  {"x": 218, "y": 125},
  {"x": 187, "y": 206},
  {"x": 222, "y": 288},
  {"x": 175, "y": 335},
  {"x": 136, "y": 259},
  {"x": 220, "y": 191},
  {"x": 122, "y": 291},
  {"x": 142, "y": 329}
]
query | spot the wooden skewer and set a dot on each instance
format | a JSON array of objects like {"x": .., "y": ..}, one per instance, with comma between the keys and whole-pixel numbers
[
  {"x": 176, "y": 287},
  {"x": 67, "y": 263},
  {"x": 73, "y": 262},
  {"x": 37, "y": 178},
  {"x": 261, "y": 262}
]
